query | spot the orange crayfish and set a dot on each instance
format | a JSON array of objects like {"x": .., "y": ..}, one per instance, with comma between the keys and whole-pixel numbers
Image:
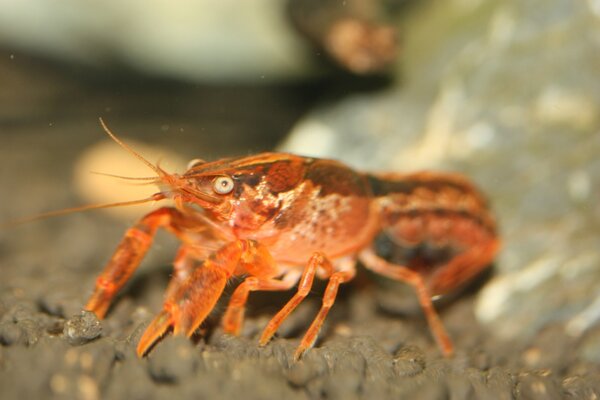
[{"x": 278, "y": 219}]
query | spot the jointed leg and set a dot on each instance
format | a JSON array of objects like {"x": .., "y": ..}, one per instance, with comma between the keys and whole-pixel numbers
[
  {"x": 317, "y": 260},
  {"x": 127, "y": 257},
  {"x": 190, "y": 301},
  {"x": 234, "y": 316},
  {"x": 404, "y": 274},
  {"x": 329, "y": 296},
  {"x": 463, "y": 267}
]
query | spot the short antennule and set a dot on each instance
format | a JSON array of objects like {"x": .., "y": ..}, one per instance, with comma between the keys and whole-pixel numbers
[{"x": 146, "y": 180}]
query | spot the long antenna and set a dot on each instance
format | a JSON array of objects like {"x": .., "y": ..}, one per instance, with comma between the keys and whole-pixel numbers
[
  {"x": 154, "y": 197},
  {"x": 160, "y": 172}
]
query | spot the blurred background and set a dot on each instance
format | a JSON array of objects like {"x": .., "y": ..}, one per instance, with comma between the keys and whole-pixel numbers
[
  {"x": 504, "y": 91},
  {"x": 201, "y": 78}
]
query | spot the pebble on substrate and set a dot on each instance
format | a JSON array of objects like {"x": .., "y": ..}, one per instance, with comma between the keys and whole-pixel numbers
[
  {"x": 409, "y": 361},
  {"x": 26, "y": 331},
  {"x": 10, "y": 333},
  {"x": 311, "y": 366},
  {"x": 82, "y": 328},
  {"x": 173, "y": 360},
  {"x": 20, "y": 312},
  {"x": 577, "y": 387},
  {"x": 58, "y": 304},
  {"x": 538, "y": 385},
  {"x": 494, "y": 383},
  {"x": 31, "y": 331}
]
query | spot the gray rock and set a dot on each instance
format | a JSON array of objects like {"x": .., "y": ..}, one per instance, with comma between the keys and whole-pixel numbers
[
  {"x": 173, "y": 360},
  {"x": 493, "y": 384},
  {"x": 575, "y": 387},
  {"x": 409, "y": 361},
  {"x": 10, "y": 333},
  {"x": 82, "y": 328},
  {"x": 56, "y": 302},
  {"x": 538, "y": 385},
  {"x": 507, "y": 93}
]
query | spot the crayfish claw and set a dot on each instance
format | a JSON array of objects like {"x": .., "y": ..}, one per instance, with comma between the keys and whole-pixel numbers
[{"x": 157, "y": 328}]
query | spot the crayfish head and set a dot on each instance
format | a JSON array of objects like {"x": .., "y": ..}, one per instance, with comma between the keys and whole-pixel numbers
[{"x": 246, "y": 191}]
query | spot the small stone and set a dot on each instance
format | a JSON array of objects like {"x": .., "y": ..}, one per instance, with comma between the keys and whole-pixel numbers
[
  {"x": 578, "y": 387},
  {"x": 300, "y": 373},
  {"x": 21, "y": 312},
  {"x": 82, "y": 328},
  {"x": 58, "y": 304},
  {"x": 538, "y": 385},
  {"x": 10, "y": 333},
  {"x": 173, "y": 360},
  {"x": 55, "y": 326},
  {"x": 409, "y": 361},
  {"x": 31, "y": 331}
]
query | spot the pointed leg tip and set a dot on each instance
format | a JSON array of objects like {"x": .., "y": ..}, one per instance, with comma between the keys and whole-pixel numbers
[
  {"x": 141, "y": 350},
  {"x": 301, "y": 351},
  {"x": 264, "y": 340},
  {"x": 299, "y": 354},
  {"x": 144, "y": 346},
  {"x": 157, "y": 328},
  {"x": 267, "y": 335},
  {"x": 448, "y": 352},
  {"x": 445, "y": 344},
  {"x": 230, "y": 330}
]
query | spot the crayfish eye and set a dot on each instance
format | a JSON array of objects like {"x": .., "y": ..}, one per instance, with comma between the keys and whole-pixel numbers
[{"x": 223, "y": 184}]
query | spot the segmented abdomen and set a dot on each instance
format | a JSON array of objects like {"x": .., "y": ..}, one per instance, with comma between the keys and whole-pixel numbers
[{"x": 437, "y": 207}]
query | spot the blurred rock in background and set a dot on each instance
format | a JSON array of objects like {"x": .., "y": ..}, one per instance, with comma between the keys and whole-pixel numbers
[
  {"x": 507, "y": 92},
  {"x": 224, "y": 41},
  {"x": 198, "y": 77},
  {"x": 358, "y": 35},
  {"x": 203, "y": 40}
]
